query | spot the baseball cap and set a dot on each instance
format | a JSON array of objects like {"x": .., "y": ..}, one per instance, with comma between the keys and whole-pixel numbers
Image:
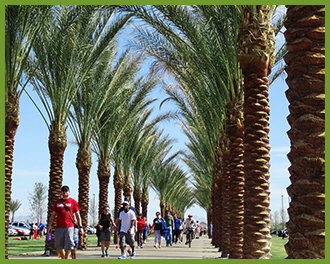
[
  {"x": 125, "y": 203},
  {"x": 65, "y": 188},
  {"x": 167, "y": 211}
]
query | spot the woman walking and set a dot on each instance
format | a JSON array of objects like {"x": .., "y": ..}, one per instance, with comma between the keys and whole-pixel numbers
[
  {"x": 104, "y": 225},
  {"x": 141, "y": 223},
  {"x": 157, "y": 225}
]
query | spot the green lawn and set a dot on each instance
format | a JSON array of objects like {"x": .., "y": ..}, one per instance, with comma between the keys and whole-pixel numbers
[
  {"x": 24, "y": 246},
  {"x": 277, "y": 248}
]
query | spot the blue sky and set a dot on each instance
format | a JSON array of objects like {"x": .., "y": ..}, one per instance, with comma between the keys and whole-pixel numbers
[{"x": 32, "y": 160}]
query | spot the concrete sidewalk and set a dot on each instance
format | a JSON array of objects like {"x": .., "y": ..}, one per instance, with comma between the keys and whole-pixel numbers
[{"x": 200, "y": 249}]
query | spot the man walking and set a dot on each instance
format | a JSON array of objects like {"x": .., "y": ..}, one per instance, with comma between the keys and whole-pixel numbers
[
  {"x": 176, "y": 231},
  {"x": 127, "y": 223},
  {"x": 64, "y": 209},
  {"x": 170, "y": 224}
]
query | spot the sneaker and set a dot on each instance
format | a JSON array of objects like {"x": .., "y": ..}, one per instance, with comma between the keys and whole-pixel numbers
[
  {"x": 102, "y": 255},
  {"x": 121, "y": 257},
  {"x": 106, "y": 253},
  {"x": 160, "y": 247},
  {"x": 133, "y": 255},
  {"x": 138, "y": 247},
  {"x": 155, "y": 246}
]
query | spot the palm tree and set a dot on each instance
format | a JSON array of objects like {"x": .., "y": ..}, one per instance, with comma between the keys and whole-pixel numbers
[
  {"x": 256, "y": 55},
  {"x": 14, "y": 206},
  {"x": 111, "y": 125},
  {"x": 65, "y": 52},
  {"x": 305, "y": 60},
  {"x": 151, "y": 148},
  {"x": 208, "y": 73},
  {"x": 22, "y": 25},
  {"x": 106, "y": 87}
]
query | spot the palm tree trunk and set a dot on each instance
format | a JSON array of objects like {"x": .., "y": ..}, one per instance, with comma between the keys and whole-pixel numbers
[
  {"x": 137, "y": 198},
  {"x": 118, "y": 182},
  {"x": 217, "y": 199},
  {"x": 225, "y": 203},
  {"x": 57, "y": 144},
  {"x": 84, "y": 165},
  {"x": 103, "y": 173},
  {"x": 236, "y": 188},
  {"x": 127, "y": 188},
  {"x": 256, "y": 167},
  {"x": 11, "y": 125},
  {"x": 256, "y": 55},
  {"x": 145, "y": 202},
  {"x": 162, "y": 205},
  {"x": 305, "y": 38}
]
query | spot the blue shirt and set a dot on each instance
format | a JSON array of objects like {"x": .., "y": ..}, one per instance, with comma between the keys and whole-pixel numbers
[{"x": 177, "y": 223}]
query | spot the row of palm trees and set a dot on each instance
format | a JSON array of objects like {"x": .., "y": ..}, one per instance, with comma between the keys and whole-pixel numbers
[
  {"x": 221, "y": 90},
  {"x": 72, "y": 62}
]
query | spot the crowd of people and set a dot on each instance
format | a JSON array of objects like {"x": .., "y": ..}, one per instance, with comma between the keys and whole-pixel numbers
[{"x": 132, "y": 229}]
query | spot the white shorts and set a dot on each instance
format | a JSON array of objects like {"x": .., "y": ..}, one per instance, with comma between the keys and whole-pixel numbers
[{"x": 158, "y": 237}]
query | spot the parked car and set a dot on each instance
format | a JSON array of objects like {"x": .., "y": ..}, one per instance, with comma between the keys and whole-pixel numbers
[
  {"x": 12, "y": 231},
  {"x": 23, "y": 229},
  {"x": 91, "y": 230},
  {"x": 20, "y": 225}
]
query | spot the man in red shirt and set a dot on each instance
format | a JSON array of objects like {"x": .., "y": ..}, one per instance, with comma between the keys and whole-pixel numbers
[{"x": 64, "y": 225}]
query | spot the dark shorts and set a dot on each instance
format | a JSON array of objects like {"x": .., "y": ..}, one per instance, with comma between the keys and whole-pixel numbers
[
  {"x": 105, "y": 235},
  {"x": 64, "y": 238},
  {"x": 126, "y": 238}
]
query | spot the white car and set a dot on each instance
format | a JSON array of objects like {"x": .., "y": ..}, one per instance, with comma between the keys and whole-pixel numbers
[
  {"x": 91, "y": 230},
  {"x": 12, "y": 232}
]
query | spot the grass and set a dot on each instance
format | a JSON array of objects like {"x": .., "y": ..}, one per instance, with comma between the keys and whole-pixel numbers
[
  {"x": 277, "y": 248},
  {"x": 24, "y": 246}
]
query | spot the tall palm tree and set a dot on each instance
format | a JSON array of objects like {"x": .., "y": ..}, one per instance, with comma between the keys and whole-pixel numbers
[
  {"x": 256, "y": 55},
  {"x": 105, "y": 83},
  {"x": 135, "y": 113},
  {"x": 151, "y": 148},
  {"x": 111, "y": 125},
  {"x": 14, "y": 206},
  {"x": 22, "y": 25},
  {"x": 305, "y": 36},
  {"x": 71, "y": 43}
]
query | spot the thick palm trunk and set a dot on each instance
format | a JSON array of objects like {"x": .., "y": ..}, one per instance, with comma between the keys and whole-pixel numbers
[
  {"x": 127, "y": 188},
  {"x": 305, "y": 38},
  {"x": 137, "y": 198},
  {"x": 216, "y": 199},
  {"x": 118, "y": 182},
  {"x": 84, "y": 165},
  {"x": 256, "y": 168},
  {"x": 57, "y": 144},
  {"x": 162, "y": 206},
  {"x": 103, "y": 173},
  {"x": 145, "y": 202},
  {"x": 236, "y": 187},
  {"x": 226, "y": 196},
  {"x": 256, "y": 54},
  {"x": 11, "y": 125}
]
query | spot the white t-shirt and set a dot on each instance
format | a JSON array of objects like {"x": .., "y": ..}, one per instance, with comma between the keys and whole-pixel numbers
[{"x": 126, "y": 221}]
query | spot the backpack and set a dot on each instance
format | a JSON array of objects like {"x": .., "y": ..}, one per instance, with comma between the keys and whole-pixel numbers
[{"x": 163, "y": 232}]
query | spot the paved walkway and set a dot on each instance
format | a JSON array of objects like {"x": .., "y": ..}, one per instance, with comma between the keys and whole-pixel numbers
[{"x": 200, "y": 248}]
